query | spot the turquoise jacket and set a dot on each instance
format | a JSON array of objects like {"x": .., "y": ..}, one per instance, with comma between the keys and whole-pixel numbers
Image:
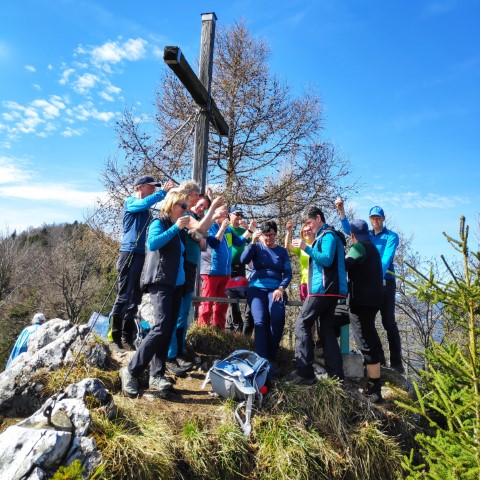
[
  {"x": 326, "y": 266},
  {"x": 386, "y": 242}
]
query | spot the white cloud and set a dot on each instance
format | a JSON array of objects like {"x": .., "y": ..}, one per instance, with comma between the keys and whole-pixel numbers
[
  {"x": 13, "y": 170},
  {"x": 30, "y": 68},
  {"x": 85, "y": 83},
  {"x": 114, "y": 52},
  {"x": 70, "y": 132},
  {"x": 87, "y": 110},
  {"x": 65, "y": 76},
  {"x": 417, "y": 200},
  {"x": 36, "y": 86},
  {"x": 64, "y": 194},
  {"x": 35, "y": 117}
]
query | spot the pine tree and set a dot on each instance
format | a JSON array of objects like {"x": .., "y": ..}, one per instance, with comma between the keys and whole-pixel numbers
[{"x": 448, "y": 391}]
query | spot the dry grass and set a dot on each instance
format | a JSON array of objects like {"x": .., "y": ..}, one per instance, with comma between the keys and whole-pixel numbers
[
  {"x": 134, "y": 446},
  {"x": 210, "y": 341}
]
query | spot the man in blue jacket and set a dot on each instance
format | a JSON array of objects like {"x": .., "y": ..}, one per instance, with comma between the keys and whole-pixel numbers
[
  {"x": 327, "y": 282},
  {"x": 136, "y": 217},
  {"x": 386, "y": 242}
]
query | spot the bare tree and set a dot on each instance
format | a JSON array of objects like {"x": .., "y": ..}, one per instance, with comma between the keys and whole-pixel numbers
[{"x": 274, "y": 152}]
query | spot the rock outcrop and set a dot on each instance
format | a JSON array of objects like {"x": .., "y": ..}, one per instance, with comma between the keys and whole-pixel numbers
[{"x": 55, "y": 434}]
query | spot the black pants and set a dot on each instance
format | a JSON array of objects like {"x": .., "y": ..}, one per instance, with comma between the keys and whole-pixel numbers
[
  {"x": 154, "y": 347},
  {"x": 235, "y": 322},
  {"x": 389, "y": 323},
  {"x": 322, "y": 307},
  {"x": 362, "y": 320},
  {"x": 129, "y": 296}
]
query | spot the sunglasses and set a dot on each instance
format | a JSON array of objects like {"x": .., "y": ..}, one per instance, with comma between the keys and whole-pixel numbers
[
  {"x": 183, "y": 206},
  {"x": 268, "y": 234},
  {"x": 238, "y": 214}
]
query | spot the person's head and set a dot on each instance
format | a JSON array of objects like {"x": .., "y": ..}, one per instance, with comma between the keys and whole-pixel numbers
[
  {"x": 377, "y": 218},
  {"x": 269, "y": 233},
  {"x": 191, "y": 190},
  {"x": 359, "y": 231},
  {"x": 200, "y": 207},
  {"x": 174, "y": 205},
  {"x": 145, "y": 186},
  {"x": 236, "y": 216},
  {"x": 306, "y": 233},
  {"x": 222, "y": 214},
  {"x": 38, "y": 319},
  {"x": 315, "y": 219}
]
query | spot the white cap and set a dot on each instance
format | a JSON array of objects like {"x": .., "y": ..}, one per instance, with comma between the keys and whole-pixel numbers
[{"x": 38, "y": 318}]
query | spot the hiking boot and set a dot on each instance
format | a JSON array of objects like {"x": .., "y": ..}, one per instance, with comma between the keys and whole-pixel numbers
[
  {"x": 373, "y": 390},
  {"x": 160, "y": 384},
  {"x": 174, "y": 368},
  {"x": 184, "y": 364},
  {"x": 295, "y": 377},
  {"x": 129, "y": 383},
  {"x": 398, "y": 368}
]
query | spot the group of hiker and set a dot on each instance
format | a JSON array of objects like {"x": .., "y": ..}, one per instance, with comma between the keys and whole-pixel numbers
[
  {"x": 171, "y": 232},
  {"x": 161, "y": 256}
]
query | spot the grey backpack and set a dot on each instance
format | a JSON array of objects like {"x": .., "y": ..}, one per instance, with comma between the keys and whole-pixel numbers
[{"x": 240, "y": 376}]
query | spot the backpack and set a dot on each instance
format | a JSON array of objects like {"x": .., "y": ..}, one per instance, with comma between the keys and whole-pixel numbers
[{"x": 240, "y": 376}]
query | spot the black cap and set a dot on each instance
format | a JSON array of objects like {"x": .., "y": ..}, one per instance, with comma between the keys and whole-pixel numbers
[{"x": 146, "y": 180}]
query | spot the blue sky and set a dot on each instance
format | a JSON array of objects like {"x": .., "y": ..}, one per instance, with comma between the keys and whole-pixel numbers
[{"x": 399, "y": 82}]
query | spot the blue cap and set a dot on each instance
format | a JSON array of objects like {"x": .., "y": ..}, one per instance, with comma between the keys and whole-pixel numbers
[
  {"x": 360, "y": 229},
  {"x": 376, "y": 211},
  {"x": 236, "y": 209}
]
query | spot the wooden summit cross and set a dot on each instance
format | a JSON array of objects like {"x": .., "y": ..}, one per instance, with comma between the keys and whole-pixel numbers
[{"x": 200, "y": 88}]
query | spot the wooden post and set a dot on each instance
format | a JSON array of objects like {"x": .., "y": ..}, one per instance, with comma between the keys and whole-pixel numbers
[{"x": 200, "y": 160}]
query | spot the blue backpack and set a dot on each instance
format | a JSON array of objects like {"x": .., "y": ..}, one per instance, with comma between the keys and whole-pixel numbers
[{"x": 240, "y": 376}]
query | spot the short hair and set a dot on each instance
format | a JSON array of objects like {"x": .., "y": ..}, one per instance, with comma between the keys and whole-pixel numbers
[
  {"x": 170, "y": 200},
  {"x": 313, "y": 212},
  {"x": 206, "y": 198},
  {"x": 267, "y": 226},
  {"x": 189, "y": 186}
]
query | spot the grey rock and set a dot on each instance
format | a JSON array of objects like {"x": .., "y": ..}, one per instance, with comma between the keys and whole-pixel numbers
[
  {"x": 23, "y": 449},
  {"x": 61, "y": 343}
]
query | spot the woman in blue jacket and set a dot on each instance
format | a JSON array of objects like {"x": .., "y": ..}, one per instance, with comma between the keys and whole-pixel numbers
[
  {"x": 163, "y": 276},
  {"x": 271, "y": 275}
]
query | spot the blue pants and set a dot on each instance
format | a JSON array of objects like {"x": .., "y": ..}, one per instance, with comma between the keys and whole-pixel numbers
[
  {"x": 268, "y": 319},
  {"x": 180, "y": 331}
]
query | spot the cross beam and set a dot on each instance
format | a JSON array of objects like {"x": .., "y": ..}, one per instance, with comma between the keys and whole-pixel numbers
[{"x": 174, "y": 58}]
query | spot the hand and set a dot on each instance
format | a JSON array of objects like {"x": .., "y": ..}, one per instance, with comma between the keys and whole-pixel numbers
[
  {"x": 244, "y": 224},
  {"x": 253, "y": 225},
  {"x": 225, "y": 224},
  {"x": 299, "y": 243},
  {"x": 209, "y": 193},
  {"x": 277, "y": 295},
  {"x": 219, "y": 212},
  {"x": 217, "y": 202},
  {"x": 168, "y": 186},
  {"x": 256, "y": 235},
  {"x": 182, "y": 222},
  {"x": 339, "y": 204},
  {"x": 289, "y": 225}
]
